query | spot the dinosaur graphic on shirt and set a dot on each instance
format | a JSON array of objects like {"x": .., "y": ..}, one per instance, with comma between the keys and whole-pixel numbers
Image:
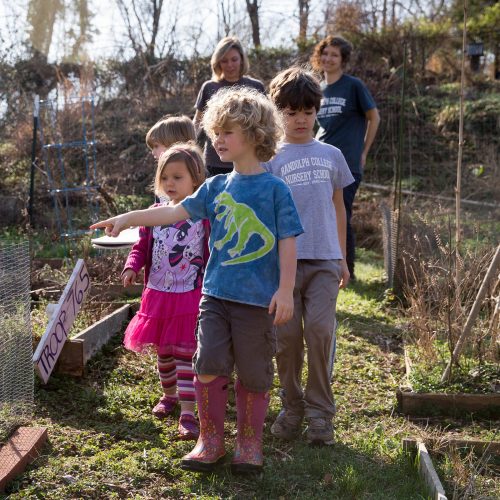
[{"x": 241, "y": 220}]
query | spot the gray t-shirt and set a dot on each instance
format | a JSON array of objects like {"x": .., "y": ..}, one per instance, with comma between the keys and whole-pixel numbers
[{"x": 313, "y": 171}]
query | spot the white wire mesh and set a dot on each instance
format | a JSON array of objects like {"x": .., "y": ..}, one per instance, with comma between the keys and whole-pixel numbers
[
  {"x": 16, "y": 345},
  {"x": 389, "y": 235}
]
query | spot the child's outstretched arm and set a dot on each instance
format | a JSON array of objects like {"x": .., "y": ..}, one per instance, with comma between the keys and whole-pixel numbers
[
  {"x": 282, "y": 301},
  {"x": 338, "y": 203},
  {"x": 156, "y": 216}
]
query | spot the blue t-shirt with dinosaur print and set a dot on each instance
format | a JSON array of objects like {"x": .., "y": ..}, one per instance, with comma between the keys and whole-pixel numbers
[{"x": 248, "y": 215}]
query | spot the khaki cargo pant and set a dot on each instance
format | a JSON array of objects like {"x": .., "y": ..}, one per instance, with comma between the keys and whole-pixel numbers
[{"x": 315, "y": 299}]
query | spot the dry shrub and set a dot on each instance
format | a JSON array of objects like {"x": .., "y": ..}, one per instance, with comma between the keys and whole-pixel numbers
[
  {"x": 366, "y": 221},
  {"x": 470, "y": 475},
  {"x": 437, "y": 308}
]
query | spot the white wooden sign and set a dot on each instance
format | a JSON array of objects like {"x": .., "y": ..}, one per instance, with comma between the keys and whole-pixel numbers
[{"x": 50, "y": 346}]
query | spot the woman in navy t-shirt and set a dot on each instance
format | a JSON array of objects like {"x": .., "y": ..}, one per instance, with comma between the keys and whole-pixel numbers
[{"x": 348, "y": 118}]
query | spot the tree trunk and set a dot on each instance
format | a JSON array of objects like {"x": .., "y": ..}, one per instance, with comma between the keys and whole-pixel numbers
[
  {"x": 84, "y": 35},
  {"x": 42, "y": 16},
  {"x": 303, "y": 22},
  {"x": 157, "y": 6},
  {"x": 253, "y": 13}
]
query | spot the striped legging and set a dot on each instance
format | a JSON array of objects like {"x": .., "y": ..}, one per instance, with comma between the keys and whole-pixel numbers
[{"x": 176, "y": 369}]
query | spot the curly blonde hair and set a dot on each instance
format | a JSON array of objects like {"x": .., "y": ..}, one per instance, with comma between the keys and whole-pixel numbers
[
  {"x": 190, "y": 154},
  {"x": 252, "y": 111}
]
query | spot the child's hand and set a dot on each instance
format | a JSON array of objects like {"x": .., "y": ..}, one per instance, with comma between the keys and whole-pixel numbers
[
  {"x": 282, "y": 305},
  {"x": 344, "y": 281},
  {"x": 128, "y": 277},
  {"x": 113, "y": 226}
]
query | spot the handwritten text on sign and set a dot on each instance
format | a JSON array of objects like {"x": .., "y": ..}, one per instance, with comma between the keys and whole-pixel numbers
[{"x": 52, "y": 342}]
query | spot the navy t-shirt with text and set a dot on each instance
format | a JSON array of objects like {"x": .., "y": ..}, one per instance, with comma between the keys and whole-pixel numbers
[{"x": 342, "y": 118}]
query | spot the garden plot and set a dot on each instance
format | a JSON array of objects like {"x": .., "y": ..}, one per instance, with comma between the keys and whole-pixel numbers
[
  {"x": 105, "y": 443},
  {"x": 452, "y": 312},
  {"x": 93, "y": 326}
]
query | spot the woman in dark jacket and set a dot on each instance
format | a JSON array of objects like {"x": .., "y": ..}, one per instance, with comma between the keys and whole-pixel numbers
[{"x": 229, "y": 67}]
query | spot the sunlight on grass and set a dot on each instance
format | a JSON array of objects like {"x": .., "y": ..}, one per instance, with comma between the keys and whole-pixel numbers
[{"x": 106, "y": 444}]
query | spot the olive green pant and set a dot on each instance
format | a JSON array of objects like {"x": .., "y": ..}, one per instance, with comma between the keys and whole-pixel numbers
[{"x": 313, "y": 323}]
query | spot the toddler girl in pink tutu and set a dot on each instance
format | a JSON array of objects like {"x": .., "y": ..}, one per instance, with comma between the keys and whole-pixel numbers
[{"x": 174, "y": 258}]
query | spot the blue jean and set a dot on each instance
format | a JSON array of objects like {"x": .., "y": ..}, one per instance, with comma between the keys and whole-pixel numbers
[{"x": 349, "y": 195}]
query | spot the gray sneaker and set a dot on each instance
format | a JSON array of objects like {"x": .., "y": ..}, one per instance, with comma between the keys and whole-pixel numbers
[
  {"x": 319, "y": 431},
  {"x": 286, "y": 426}
]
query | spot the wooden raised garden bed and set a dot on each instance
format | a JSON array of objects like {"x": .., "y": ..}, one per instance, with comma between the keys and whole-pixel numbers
[
  {"x": 430, "y": 404},
  {"x": 79, "y": 348},
  {"x": 56, "y": 350},
  {"x": 453, "y": 404},
  {"x": 484, "y": 451}
]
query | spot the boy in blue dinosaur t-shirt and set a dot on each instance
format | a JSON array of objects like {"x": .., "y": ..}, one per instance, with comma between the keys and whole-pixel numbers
[
  {"x": 249, "y": 276},
  {"x": 316, "y": 173}
]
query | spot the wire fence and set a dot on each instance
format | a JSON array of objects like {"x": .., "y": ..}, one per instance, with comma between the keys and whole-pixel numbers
[
  {"x": 16, "y": 344},
  {"x": 415, "y": 153},
  {"x": 67, "y": 136},
  {"x": 430, "y": 139}
]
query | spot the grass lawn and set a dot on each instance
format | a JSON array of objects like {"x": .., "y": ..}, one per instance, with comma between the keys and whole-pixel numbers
[{"x": 104, "y": 442}]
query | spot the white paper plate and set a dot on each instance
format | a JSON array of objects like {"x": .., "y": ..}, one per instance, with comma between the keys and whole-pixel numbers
[{"x": 124, "y": 240}]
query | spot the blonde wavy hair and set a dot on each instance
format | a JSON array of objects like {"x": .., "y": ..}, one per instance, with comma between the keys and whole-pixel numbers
[
  {"x": 169, "y": 130},
  {"x": 222, "y": 48},
  {"x": 190, "y": 154},
  {"x": 252, "y": 111}
]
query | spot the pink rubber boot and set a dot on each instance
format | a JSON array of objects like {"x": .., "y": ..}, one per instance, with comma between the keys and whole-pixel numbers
[
  {"x": 209, "y": 450},
  {"x": 251, "y": 410}
]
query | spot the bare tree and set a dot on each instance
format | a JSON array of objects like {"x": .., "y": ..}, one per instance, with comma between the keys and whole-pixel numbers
[
  {"x": 142, "y": 19},
  {"x": 84, "y": 34},
  {"x": 231, "y": 19},
  {"x": 303, "y": 22},
  {"x": 253, "y": 14},
  {"x": 224, "y": 18},
  {"x": 345, "y": 17},
  {"x": 42, "y": 17}
]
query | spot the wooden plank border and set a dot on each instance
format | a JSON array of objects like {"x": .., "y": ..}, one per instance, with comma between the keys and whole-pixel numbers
[
  {"x": 80, "y": 348},
  {"x": 426, "y": 468},
  {"x": 22, "y": 448},
  {"x": 479, "y": 447},
  {"x": 429, "y": 404}
]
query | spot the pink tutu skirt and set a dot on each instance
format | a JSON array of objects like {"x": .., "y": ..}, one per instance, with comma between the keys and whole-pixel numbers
[{"x": 164, "y": 320}]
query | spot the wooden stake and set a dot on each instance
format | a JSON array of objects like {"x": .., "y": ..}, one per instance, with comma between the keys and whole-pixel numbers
[
  {"x": 476, "y": 307},
  {"x": 458, "y": 188}
]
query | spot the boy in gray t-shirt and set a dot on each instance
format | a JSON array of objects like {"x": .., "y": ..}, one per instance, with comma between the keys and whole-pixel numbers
[{"x": 316, "y": 174}]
